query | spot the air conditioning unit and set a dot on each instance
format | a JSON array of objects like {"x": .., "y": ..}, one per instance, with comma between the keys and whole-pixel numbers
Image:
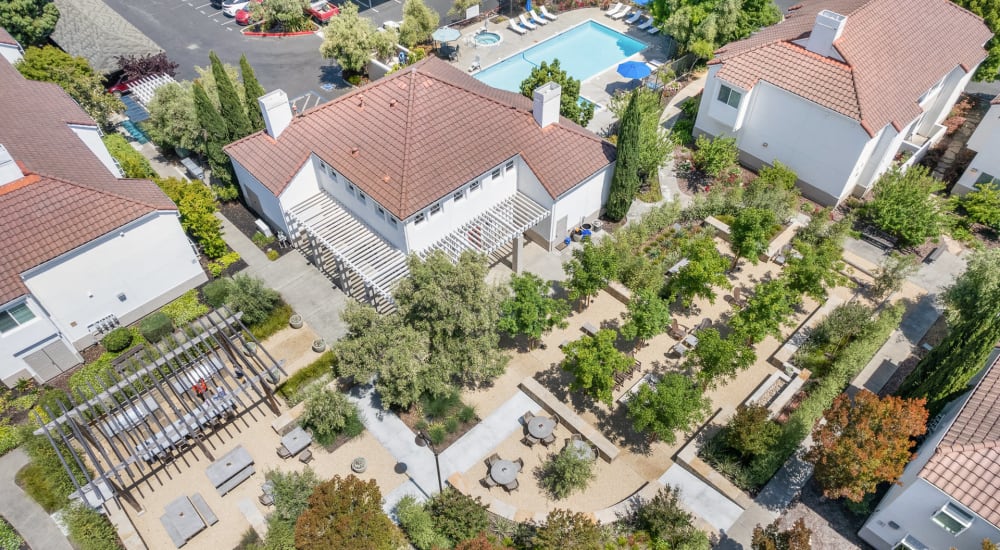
[{"x": 263, "y": 228}]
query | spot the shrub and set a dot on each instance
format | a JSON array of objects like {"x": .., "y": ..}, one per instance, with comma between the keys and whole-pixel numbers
[
  {"x": 291, "y": 493},
  {"x": 185, "y": 309},
  {"x": 216, "y": 292},
  {"x": 226, "y": 193},
  {"x": 261, "y": 240},
  {"x": 276, "y": 321},
  {"x": 117, "y": 340},
  {"x": 250, "y": 296},
  {"x": 45, "y": 479},
  {"x": 132, "y": 162},
  {"x": 457, "y": 516},
  {"x": 418, "y": 525},
  {"x": 196, "y": 206},
  {"x": 683, "y": 131},
  {"x": 664, "y": 519},
  {"x": 9, "y": 539},
  {"x": 437, "y": 433},
  {"x": 343, "y": 512},
  {"x": 451, "y": 425},
  {"x": 156, "y": 326},
  {"x": 272, "y": 255},
  {"x": 905, "y": 205},
  {"x": 467, "y": 413},
  {"x": 715, "y": 156},
  {"x": 566, "y": 473},
  {"x": 89, "y": 529},
  {"x": 316, "y": 370},
  {"x": 10, "y": 437},
  {"x": 327, "y": 414},
  {"x": 216, "y": 268},
  {"x": 750, "y": 432}
]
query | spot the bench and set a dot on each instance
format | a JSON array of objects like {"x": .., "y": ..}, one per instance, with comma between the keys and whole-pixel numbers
[
  {"x": 878, "y": 241},
  {"x": 605, "y": 448},
  {"x": 589, "y": 329},
  {"x": 935, "y": 254},
  {"x": 204, "y": 511}
]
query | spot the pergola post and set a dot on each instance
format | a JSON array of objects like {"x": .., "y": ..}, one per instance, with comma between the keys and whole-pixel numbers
[{"x": 515, "y": 257}]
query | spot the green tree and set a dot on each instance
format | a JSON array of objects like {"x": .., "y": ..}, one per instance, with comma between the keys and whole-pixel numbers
[
  {"x": 765, "y": 312},
  {"x": 133, "y": 163},
  {"x": 904, "y": 204},
  {"x": 568, "y": 106},
  {"x": 589, "y": 271},
  {"x": 566, "y": 473},
  {"x": 418, "y": 525},
  {"x": 282, "y": 15},
  {"x": 864, "y": 442},
  {"x": 750, "y": 431},
  {"x": 419, "y": 21},
  {"x": 705, "y": 270},
  {"x": 594, "y": 361},
  {"x": 716, "y": 358},
  {"x": 625, "y": 180},
  {"x": 654, "y": 144},
  {"x": 716, "y": 156},
  {"x": 818, "y": 264},
  {"x": 327, "y": 414},
  {"x": 458, "y": 8},
  {"x": 665, "y": 520},
  {"x": 647, "y": 316},
  {"x": 453, "y": 304},
  {"x": 983, "y": 204},
  {"x": 796, "y": 537},
  {"x": 346, "y": 513},
  {"x": 565, "y": 529},
  {"x": 249, "y": 295},
  {"x": 750, "y": 233},
  {"x": 673, "y": 404},
  {"x": 197, "y": 208},
  {"x": 457, "y": 516},
  {"x": 252, "y": 90},
  {"x": 531, "y": 311},
  {"x": 773, "y": 189},
  {"x": 173, "y": 121},
  {"x": 75, "y": 76},
  {"x": 215, "y": 134},
  {"x": 30, "y": 22},
  {"x": 291, "y": 492},
  {"x": 891, "y": 273},
  {"x": 349, "y": 38},
  {"x": 230, "y": 106},
  {"x": 989, "y": 10}
]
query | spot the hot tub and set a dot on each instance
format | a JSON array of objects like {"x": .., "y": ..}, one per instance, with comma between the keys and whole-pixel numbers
[{"x": 487, "y": 39}]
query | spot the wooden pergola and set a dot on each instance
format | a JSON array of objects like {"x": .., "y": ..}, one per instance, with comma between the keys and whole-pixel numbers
[{"x": 162, "y": 400}]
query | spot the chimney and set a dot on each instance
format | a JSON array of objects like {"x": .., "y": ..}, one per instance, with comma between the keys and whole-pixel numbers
[
  {"x": 826, "y": 31},
  {"x": 277, "y": 113},
  {"x": 546, "y": 106},
  {"x": 9, "y": 170}
]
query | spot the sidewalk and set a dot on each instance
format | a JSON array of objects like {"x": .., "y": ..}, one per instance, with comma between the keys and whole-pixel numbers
[{"x": 23, "y": 513}]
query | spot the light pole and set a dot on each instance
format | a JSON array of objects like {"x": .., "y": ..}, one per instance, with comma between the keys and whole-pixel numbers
[{"x": 423, "y": 441}]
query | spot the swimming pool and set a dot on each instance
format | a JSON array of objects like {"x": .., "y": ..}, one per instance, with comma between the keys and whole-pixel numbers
[{"x": 583, "y": 51}]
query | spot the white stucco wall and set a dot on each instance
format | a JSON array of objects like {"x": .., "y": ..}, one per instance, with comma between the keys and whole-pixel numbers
[
  {"x": 91, "y": 137},
  {"x": 583, "y": 202},
  {"x": 366, "y": 212},
  {"x": 17, "y": 343},
  {"x": 529, "y": 186},
  {"x": 270, "y": 206},
  {"x": 986, "y": 142},
  {"x": 150, "y": 261},
  {"x": 11, "y": 53}
]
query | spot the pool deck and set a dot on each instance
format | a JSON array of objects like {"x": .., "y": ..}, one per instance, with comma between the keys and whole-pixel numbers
[{"x": 598, "y": 88}]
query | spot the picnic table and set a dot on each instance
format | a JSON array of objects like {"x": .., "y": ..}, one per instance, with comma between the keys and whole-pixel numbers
[
  {"x": 504, "y": 471},
  {"x": 230, "y": 470},
  {"x": 296, "y": 440},
  {"x": 181, "y": 521},
  {"x": 691, "y": 340},
  {"x": 581, "y": 449},
  {"x": 677, "y": 267},
  {"x": 541, "y": 427}
]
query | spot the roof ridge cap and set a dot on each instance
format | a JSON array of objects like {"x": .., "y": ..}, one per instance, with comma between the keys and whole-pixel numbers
[{"x": 407, "y": 138}]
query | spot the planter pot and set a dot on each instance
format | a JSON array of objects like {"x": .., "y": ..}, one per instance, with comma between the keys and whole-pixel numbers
[
  {"x": 587, "y": 227},
  {"x": 359, "y": 465},
  {"x": 250, "y": 348},
  {"x": 295, "y": 321},
  {"x": 319, "y": 345},
  {"x": 576, "y": 237},
  {"x": 273, "y": 375}
]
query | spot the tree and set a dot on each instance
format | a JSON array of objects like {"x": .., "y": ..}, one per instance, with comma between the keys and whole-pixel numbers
[
  {"x": 705, "y": 270},
  {"x": 716, "y": 156},
  {"x": 568, "y": 106},
  {"x": 654, "y": 144},
  {"x": 565, "y": 529},
  {"x": 249, "y": 295},
  {"x": 282, "y": 15},
  {"x": 664, "y": 519},
  {"x": 797, "y": 537},
  {"x": 764, "y": 312},
  {"x": 750, "y": 431},
  {"x": 30, "y": 22},
  {"x": 818, "y": 264},
  {"x": 716, "y": 358},
  {"x": 904, "y": 204},
  {"x": 990, "y": 12},
  {"x": 419, "y": 21},
  {"x": 252, "y": 90},
  {"x": 418, "y": 525},
  {"x": 750, "y": 233},
  {"x": 891, "y": 273},
  {"x": 75, "y": 76},
  {"x": 230, "y": 105},
  {"x": 346, "y": 513},
  {"x": 625, "y": 180},
  {"x": 458, "y": 310},
  {"x": 134, "y": 67},
  {"x": 291, "y": 492},
  {"x": 197, "y": 208},
  {"x": 773, "y": 189},
  {"x": 594, "y": 361},
  {"x": 673, "y": 404},
  {"x": 215, "y": 132},
  {"x": 565, "y": 473},
  {"x": 983, "y": 204},
  {"x": 349, "y": 38},
  {"x": 457, "y": 516},
  {"x": 133, "y": 163},
  {"x": 459, "y": 8},
  {"x": 531, "y": 311},
  {"x": 327, "y": 414},
  {"x": 865, "y": 442},
  {"x": 647, "y": 316},
  {"x": 589, "y": 271},
  {"x": 482, "y": 541},
  {"x": 173, "y": 122}
]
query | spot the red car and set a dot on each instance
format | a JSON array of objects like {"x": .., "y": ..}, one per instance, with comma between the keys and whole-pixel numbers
[
  {"x": 244, "y": 17},
  {"x": 322, "y": 11}
]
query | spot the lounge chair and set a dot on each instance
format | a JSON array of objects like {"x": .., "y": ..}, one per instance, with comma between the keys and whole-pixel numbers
[
  {"x": 283, "y": 452},
  {"x": 622, "y": 13},
  {"x": 547, "y": 14},
  {"x": 493, "y": 458},
  {"x": 537, "y": 18},
  {"x": 512, "y": 486},
  {"x": 633, "y": 18},
  {"x": 305, "y": 456},
  {"x": 676, "y": 331},
  {"x": 614, "y": 9},
  {"x": 475, "y": 65},
  {"x": 488, "y": 482},
  {"x": 645, "y": 24},
  {"x": 525, "y": 23},
  {"x": 512, "y": 25},
  {"x": 654, "y": 30}
]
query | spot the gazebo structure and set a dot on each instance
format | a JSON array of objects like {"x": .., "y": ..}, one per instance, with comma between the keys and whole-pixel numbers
[{"x": 161, "y": 400}]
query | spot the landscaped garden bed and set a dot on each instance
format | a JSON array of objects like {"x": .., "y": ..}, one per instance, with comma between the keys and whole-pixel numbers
[
  {"x": 246, "y": 221},
  {"x": 444, "y": 418}
]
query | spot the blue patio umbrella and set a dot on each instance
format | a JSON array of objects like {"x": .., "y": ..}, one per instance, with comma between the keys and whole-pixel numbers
[
  {"x": 446, "y": 34},
  {"x": 527, "y": 7},
  {"x": 640, "y": 2},
  {"x": 634, "y": 69}
]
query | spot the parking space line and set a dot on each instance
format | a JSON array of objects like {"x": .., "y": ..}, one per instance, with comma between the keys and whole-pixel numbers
[
  {"x": 203, "y": 5},
  {"x": 228, "y": 22}
]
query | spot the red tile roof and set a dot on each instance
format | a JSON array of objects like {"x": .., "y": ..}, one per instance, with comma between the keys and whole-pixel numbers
[
  {"x": 6, "y": 38},
  {"x": 966, "y": 464},
  {"x": 893, "y": 51},
  {"x": 68, "y": 197},
  {"x": 414, "y": 137}
]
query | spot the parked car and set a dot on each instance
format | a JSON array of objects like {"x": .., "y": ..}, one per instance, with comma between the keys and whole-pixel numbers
[
  {"x": 216, "y": 4},
  {"x": 230, "y": 7},
  {"x": 245, "y": 16},
  {"x": 322, "y": 11}
]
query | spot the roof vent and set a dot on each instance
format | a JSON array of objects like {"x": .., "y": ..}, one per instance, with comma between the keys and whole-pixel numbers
[
  {"x": 361, "y": 101},
  {"x": 354, "y": 151},
  {"x": 392, "y": 102},
  {"x": 827, "y": 29},
  {"x": 9, "y": 170},
  {"x": 386, "y": 178}
]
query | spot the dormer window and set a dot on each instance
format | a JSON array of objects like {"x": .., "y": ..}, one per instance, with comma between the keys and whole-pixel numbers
[
  {"x": 474, "y": 187},
  {"x": 729, "y": 96},
  {"x": 362, "y": 198},
  {"x": 496, "y": 173}
]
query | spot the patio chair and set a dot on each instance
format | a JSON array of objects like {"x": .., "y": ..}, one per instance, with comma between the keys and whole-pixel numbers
[
  {"x": 576, "y": 437},
  {"x": 546, "y": 13},
  {"x": 305, "y": 456},
  {"x": 676, "y": 331},
  {"x": 549, "y": 440},
  {"x": 525, "y": 23},
  {"x": 520, "y": 464},
  {"x": 283, "y": 452},
  {"x": 645, "y": 24},
  {"x": 512, "y": 25},
  {"x": 475, "y": 66},
  {"x": 537, "y": 18},
  {"x": 704, "y": 324},
  {"x": 528, "y": 416},
  {"x": 555, "y": 420},
  {"x": 492, "y": 459},
  {"x": 614, "y": 9},
  {"x": 622, "y": 13},
  {"x": 633, "y": 18},
  {"x": 488, "y": 482},
  {"x": 512, "y": 486},
  {"x": 530, "y": 440},
  {"x": 266, "y": 499}
]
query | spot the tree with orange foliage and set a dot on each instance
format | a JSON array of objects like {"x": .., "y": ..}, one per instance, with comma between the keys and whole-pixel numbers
[
  {"x": 481, "y": 542},
  {"x": 864, "y": 442},
  {"x": 796, "y": 537}
]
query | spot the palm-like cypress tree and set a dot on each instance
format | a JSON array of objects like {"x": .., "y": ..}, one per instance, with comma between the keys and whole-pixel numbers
[
  {"x": 625, "y": 182},
  {"x": 230, "y": 106},
  {"x": 253, "y": 90},
  {"x": 215, "y": 134}
]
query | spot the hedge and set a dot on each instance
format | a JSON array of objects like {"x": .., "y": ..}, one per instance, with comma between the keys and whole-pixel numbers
[
  {"x": 275, "y": 321},
  {"x": 117, "y": 340},
  {"x": 291, "y": 389},
  {"x": 90, "y": 529},
  {"x": 132, "y": 162},
  {"x": 156, "y": 326}
]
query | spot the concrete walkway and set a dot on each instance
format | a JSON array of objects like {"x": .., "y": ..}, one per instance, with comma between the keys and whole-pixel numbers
[{"x": 34, "y": 525}]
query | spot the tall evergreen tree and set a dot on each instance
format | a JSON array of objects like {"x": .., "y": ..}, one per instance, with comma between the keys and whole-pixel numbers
[
  {"x": 215, "y": 134},
  {"x": 230, "y": 106},
  {"x": 253, "y": 91},
  {"x": 625, "y": 182}
]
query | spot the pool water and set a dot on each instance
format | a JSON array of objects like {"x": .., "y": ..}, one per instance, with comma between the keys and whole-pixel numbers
[
  {"x": 487, "y": 39},
  {"x": 583, "y": 51}
]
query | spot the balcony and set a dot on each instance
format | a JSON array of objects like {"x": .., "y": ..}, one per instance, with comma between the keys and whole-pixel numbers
[{"x": 916, "y": 146}]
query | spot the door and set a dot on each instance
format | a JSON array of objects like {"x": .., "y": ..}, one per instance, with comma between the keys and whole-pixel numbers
[
  {"x": 561, "y": 229},
  {"x": 52, "y": 359}
]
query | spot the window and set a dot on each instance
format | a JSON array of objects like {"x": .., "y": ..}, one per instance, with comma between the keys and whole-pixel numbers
[
  {"x": 380, "y": 211},
  {"x": 987, "y": 179},
  {"x": 419, "y": 218},
  {"x": 509, "y": 166},
  {"x": 459, "y": 195},
  {"x": 392, "y": 221},
  {"x": 436, "y": 209},
  {"x": 729, "y": 96},
  {"x": 350, "y": 189},
  {"x": 953, "y": 519},
  {"x": 910, "y": 542},
  {"x": 496, "y": 173},
  {"x": 15, "y": 317},
  {"x": 474, "y": 187},
  {"x": 362, "y": 198}
]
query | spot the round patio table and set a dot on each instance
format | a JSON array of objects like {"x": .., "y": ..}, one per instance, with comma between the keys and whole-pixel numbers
[
  {"x": 541, "y": 427},
  {"x": 581, "y": 449},
  {"x": 503, "y": 471}
]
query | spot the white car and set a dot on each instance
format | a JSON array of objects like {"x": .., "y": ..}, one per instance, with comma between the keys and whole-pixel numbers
[{"x": 230, "y": 7}]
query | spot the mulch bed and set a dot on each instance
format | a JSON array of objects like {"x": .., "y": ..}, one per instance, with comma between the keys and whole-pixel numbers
[
  {"x": 411, "y": 419},
  {"x": 244, "y": 220}
]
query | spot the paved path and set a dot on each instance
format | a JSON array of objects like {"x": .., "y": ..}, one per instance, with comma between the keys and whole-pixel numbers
[{"x": 23, "y": 513}]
